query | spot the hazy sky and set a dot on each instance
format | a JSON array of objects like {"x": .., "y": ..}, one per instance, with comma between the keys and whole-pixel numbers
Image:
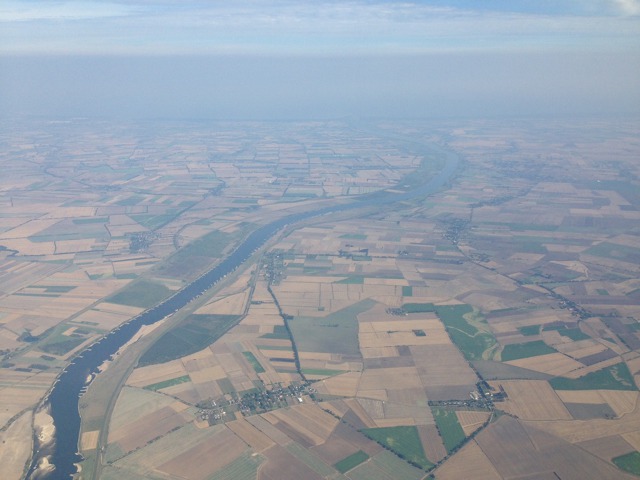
[{"x": 297, "y": 59}]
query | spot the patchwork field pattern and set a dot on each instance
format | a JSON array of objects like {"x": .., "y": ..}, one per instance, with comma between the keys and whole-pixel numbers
[{"x": 490, "y": 330}]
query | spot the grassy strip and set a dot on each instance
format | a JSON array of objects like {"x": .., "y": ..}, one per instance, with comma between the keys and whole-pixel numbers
[
  {"x": 615, "y": 377},
  {"x": 168, "y": 383},
  {"x": 403, "y": 441},
  {"x": 351, "y": 461},
  {"x": 449, "y": 428},
  {"x": 352, "y": 280},
  {"x": 322, "y": 371},
  {"x": 255, "y": 364}
]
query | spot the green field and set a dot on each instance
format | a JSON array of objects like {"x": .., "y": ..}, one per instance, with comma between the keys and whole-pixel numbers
[
  {"x": 403, "y": 441},
  {"x": 525, "y": 350},
  {"x": 407, "y": 291},
  {"x": 82, "y": 220},
  {"x": 471, "y": 341},
  {"x": 255, "y": 364},
  {"x": 153, "y": 222},
  {"x": 279, "y": 333},
  {"x": 629, "y": 462},
  {"x": 321, "y": 371},
  {"x": 351, "y": 461},
  {"x": 353, "y": 280},
  {"x": 143, "y": 294},
  {"x": 335, "y": 333},
  {"x": 529, "y": 330},
  {"x": 354, "y": 236},
  {"x": 574, "y": 334},
  {"x": 196, "y": 256},
  {"x": 196, "y": 333},
  {"x": 615, "y": 377},
  {"x": 168, "y": 383},
  {"x": 449, "y": 428},
  {"x": 57, "y": 288},
  {"x": 612, "y": 250},
  {"x": 61, "y": 345}
]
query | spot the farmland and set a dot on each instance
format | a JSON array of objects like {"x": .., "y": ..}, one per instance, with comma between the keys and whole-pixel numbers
[{"x": 492, "y": 321}]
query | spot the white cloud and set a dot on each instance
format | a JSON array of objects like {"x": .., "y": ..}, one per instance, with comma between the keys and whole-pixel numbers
[
  {"x": 628, "y": 7},
  {"x": 12, "y": 11},
  {"x": 289, "y": 26}
]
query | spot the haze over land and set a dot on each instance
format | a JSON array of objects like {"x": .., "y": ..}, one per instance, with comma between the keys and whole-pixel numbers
[{"x": 319, "y": 59}]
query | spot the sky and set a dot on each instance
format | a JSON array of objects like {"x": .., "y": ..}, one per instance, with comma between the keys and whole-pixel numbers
[{"x": 319, "y": 59}]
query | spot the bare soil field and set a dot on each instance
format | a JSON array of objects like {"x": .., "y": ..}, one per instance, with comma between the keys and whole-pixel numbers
[
  {"x": 469, "y": 462},
  {"x": 16, "y": 446},
  {"x": 532, "y": 400}
]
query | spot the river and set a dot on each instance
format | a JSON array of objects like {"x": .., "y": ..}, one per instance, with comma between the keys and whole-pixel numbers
[{"x": 65, "y": 395}]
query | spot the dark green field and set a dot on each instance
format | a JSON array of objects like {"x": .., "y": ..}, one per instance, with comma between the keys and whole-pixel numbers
[
  {"x": 351, "y": 461},
  {"x": 168, "y": 383},
  {"x": 321, "y": 371},
  {"x": 255, "y": 364},
  {"x": 449, "y": 427},
  {"x": 353, "y": 279},
  {"x": 404, "y": 441},
  {"x": 196, "y": 333},
  {"x": 525, "y": 350},
  {"x": 629, "y": 462},
  {"x": 529, "y": 330},
  {"x": 61, "y": 345},
  {"x": 615, "y": 377}
]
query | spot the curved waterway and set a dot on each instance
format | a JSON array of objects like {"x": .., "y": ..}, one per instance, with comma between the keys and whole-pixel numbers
[{"x": 65, "y": 395}]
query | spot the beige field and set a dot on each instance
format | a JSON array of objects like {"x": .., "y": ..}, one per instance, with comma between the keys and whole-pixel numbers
[
  {"x": 470, "y": 420},
  {"x": 143, "y": 430},
  {"x": 620, "y": 401},
  {"x": 231, "y": 305},
  {"x": 197, "y": 463},
  {"x": 583, "y": 430},
  {"x": 441, "y": 367},
  {"x": 361, "y": 413},
  {"x": 344, "y": 385},
  {"x": 134, "y": 403},
  {"x": 29, "y": 229},
  {"x": 308, "y": 421},
  {"x": 516, "y": 449},
  {"x": 141, "y": 377},
  {"x": 469, "y": 462},
  {"x": 89, "y": 440},
  {"x": 391, "y": 378},
  {"x": 16, "y": 446},
  {"x": 16, "y": 399},
  {"x": 249, "y": 434},
  {"x": 532, "y": 400},
  {"x": 553, "y": 363},
  {"x": 378, "y": 352}
]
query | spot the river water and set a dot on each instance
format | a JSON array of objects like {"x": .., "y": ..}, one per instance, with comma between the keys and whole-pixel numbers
[{"x": 65, "y": 395}]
